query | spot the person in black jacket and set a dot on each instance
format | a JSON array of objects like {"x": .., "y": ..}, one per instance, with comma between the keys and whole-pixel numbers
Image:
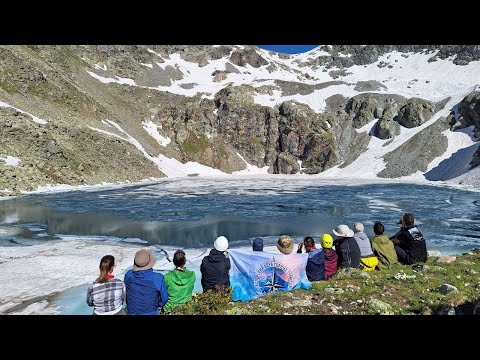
[
  {"x": 409, "y": 243},
  {"x": 215, "y": 266},
  {"x": 347, "y": 248},
  {"x": 316, "y": 259}
]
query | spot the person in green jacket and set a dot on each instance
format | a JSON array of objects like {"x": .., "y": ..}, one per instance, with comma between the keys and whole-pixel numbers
[
  {"x": 383, "y": 248},
  {"x": 179, "y": 282}
]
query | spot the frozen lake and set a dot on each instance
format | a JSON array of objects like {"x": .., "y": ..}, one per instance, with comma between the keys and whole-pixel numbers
[{"x": 190, "y": 213}]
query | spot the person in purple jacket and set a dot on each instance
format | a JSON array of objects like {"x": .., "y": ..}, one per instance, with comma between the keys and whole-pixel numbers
[
  {"x": 330, "y": 256},
  {"x": 146, "y": 290}
]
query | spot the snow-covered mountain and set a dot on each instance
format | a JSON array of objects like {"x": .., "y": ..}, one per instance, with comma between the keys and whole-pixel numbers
[{"x": 92, "y": 114}]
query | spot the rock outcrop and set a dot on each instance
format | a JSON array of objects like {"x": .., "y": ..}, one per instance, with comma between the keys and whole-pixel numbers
[{"x": 415, "y": 112}]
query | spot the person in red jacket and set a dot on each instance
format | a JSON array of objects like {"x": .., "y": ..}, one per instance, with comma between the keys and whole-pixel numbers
[{"x": 331, "y": 257}]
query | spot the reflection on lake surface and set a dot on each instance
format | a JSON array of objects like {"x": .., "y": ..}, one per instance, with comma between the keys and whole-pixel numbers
[{"x": 192, "y": 212}]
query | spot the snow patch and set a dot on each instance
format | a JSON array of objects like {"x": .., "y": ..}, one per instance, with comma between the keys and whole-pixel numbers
[
  {"x": 152, "y": 129},
  {"x": 457, "y": 140},
  {"x": 107, "y": 80},
  {"x": 11, "y": 160},
  {"x": 315, "y": 100},
  {"x": 34, "y": 118},
  {"x": 30, "y": 275},
  {"x": 153, "y": 52},
  {"x": 251, "y": 169},
  {"x": 35, "y": 269},
  {"x": 100, "y": 67},
  {"x": 411, "y": 75},
  {"x": 169, "y": 166},
  {"x": 37, "y": 308}
]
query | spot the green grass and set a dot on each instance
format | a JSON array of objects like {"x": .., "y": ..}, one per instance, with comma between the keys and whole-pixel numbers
[
  {"x": 195, "y": 144},
  {"x": 354, "y": 293}
]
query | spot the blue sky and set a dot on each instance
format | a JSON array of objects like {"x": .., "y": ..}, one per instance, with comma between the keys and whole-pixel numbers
[{"x": 288, "y": 49}]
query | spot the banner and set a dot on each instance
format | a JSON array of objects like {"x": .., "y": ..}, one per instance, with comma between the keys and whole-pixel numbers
[{"x": 256, "y": 273}]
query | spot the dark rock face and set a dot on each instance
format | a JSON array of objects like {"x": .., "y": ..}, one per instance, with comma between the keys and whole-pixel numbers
[
  {"x": 199, "y": 54},
  {"x": 320, "y": 154},
  {"x": 278, "y": 137},
  {"x": 469, "y": 109},
  {"x": 364, "y": 55},
  {"x": 386, "y": 129},
  {"x": 286, "y": 164},
  {"x": 335, "y": 104},
  {"x": 465, "y": 53},
  {"x": 391, "y": 110},
  {"x": 371, "y": 85},
  {"x": 158, "y": 76},
  {"x": 291, "y": 88},
  {"x": 416, "y": 153},
  {"x": 247, "y": 56},
  {"x": 475, "y": 159},
  {"x": 305, "y": 135},
  {"x": 248, "y": 127},
  {"x": 350, "y": 143},
  {"x": 415, "y": 112},
  {"x": 366, "y": 107}
]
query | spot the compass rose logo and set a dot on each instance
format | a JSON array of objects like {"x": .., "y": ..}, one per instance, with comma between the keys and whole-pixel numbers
[{"x": 272, "y": 276}]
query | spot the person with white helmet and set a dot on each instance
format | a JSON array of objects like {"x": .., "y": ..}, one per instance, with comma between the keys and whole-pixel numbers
[{"x": 215, "y": 266}]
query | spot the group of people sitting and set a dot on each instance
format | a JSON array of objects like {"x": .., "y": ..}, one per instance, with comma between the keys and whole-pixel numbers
[{"x": 149, "y": 293}]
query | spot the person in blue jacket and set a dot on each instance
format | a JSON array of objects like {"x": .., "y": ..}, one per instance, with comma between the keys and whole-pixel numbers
[{"x": 146, "y": 290}]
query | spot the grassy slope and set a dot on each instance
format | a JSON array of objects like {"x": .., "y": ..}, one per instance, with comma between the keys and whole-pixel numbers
[{"x": 361, "y": 293}]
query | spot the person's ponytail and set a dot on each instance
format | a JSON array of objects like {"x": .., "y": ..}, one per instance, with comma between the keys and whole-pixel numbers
[{"x": 106, "y": 264}]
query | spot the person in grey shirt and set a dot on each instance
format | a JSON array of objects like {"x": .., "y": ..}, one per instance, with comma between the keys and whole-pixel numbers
[
  {"x": 362, "y": 240},
  {"x": 368, "y": 260}
]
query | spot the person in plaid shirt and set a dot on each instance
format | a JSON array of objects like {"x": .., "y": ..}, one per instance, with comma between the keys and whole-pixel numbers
[{"x": 107, "y": 294}]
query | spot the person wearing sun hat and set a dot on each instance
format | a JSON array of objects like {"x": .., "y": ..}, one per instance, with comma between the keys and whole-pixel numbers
[
  {"x": 285, "y": 244},
  {"x": 146, "y": 290},
  {"x": 215, "y": 266},
  {"x": 346, "y": 247}
]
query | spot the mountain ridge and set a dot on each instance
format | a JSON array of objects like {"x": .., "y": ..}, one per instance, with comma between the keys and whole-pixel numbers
[{"x": 92, "y": 114}]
